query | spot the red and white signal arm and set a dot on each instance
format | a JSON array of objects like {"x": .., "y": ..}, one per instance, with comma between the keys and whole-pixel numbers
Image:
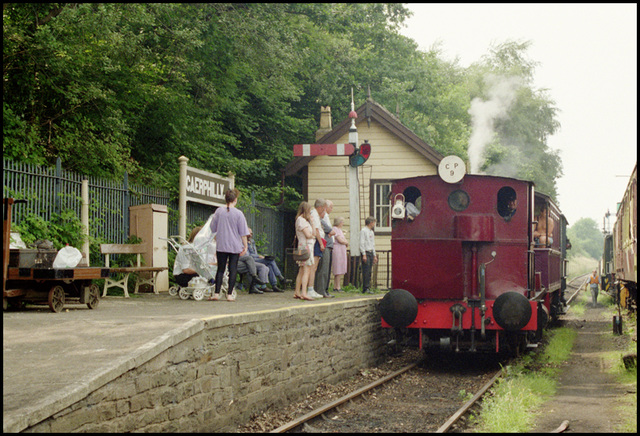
[
  {"x": 452, "y": 169},
  {"x": 323, "y": 149}
]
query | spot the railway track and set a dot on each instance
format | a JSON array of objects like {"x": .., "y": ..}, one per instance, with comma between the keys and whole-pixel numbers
[
  {"x": 431, "y": 394},
  {"x": 571, "y": 285},
  {"x": 422, "y": 396}
]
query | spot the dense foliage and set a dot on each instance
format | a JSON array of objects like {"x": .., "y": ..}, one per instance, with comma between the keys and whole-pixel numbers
[
  {"x": 586, "y": 239},
  {"x": 130, "y": 87}
]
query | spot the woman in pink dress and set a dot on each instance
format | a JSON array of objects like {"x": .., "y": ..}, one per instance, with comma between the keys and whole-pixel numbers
[
  {"x": 306, "y": 238},
  {"x": 339, "y": 257}
]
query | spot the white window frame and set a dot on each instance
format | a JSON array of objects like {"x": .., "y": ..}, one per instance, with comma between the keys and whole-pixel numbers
[{"x": 378, "y": 205}]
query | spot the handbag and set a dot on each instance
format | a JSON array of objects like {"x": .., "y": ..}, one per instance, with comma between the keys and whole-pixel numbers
[{"x": 300, "y": 254}]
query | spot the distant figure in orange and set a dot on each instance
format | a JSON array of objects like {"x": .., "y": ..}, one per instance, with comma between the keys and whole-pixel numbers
[{"x": 544, "y": 227}]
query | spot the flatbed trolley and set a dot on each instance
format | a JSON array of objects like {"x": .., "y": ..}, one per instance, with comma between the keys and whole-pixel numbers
[{"x": 45, "y": 285}]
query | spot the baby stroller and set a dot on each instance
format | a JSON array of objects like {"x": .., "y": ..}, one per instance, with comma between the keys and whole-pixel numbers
[{"x": 199, "y": 252}]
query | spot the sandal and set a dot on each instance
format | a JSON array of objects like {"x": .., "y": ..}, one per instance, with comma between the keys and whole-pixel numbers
[
  {"x": 214, "y": 297},
  {"x": 297, "y": 296},
  {"x": 307, "y": 298}
]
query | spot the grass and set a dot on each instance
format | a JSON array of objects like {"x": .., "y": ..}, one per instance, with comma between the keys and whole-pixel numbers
[
  {"x": 626, "y": 406},
  {"x": 350, "y": 289},
  {"x": 513, "y": 402},
  {"x": 578, "y": 307},
  {"x": 579, "y": 265},
  {"x": 509, "y": 408}
]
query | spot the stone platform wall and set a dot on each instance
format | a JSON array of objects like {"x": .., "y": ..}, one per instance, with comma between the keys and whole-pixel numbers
[{"x": 216, "y": 373}]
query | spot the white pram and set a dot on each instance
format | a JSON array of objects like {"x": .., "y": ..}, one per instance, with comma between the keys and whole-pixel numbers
[{"x": 199, "y": 253}]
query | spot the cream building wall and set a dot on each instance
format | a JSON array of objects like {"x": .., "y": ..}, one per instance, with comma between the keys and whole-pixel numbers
[{"x": 391, "y": 158}]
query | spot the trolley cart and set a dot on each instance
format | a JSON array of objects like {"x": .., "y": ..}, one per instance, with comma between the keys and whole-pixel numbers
[{"x": 44, "y": 285}]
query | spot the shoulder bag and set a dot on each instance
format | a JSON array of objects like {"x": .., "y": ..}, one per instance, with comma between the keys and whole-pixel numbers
[{"x": 300, "y": 254}]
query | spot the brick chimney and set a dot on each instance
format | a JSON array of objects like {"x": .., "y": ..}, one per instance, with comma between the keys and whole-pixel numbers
[{"x": 325, "y": 122}]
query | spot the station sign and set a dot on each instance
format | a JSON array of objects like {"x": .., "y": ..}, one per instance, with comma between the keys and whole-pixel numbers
[{"x": 207, "y": 188}]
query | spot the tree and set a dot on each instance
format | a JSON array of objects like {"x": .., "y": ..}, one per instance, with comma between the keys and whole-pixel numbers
[
  {"x": 115, "y": 87},
  {"x": 585, "y": 238},
  {"x": 522, "y": 118}
]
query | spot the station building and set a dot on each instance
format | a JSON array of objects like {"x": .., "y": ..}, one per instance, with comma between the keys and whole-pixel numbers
[{"x": 396, "y": 153}]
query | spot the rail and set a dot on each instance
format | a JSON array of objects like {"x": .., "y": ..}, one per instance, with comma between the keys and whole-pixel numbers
[
  {"x": 298, "y": 422},
  {"x": 584, "y": 284},
  {"x": 319, "y": 411},
  {"x": 456, "y": 416}
]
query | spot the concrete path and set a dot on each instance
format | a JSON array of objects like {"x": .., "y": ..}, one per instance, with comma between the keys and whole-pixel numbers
[{"x": 586, "y": 393}]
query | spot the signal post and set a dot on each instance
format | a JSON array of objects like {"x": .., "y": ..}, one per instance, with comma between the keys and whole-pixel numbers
[{"x": 357, "y": 157}]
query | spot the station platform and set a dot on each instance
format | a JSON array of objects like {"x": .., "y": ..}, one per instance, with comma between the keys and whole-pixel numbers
[{"x": 50, "y": 357}]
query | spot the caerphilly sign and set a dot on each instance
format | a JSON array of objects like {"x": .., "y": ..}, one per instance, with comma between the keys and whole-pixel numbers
[{"x": 207, "y": 188}]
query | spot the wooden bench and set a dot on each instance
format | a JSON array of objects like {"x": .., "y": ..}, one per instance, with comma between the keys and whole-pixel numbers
[{"x": 137, "y": 249}]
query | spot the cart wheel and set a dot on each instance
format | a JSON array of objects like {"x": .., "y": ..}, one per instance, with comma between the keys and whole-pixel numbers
[
  {"x": 173, "y": 291},
  {"x": 56, "y": 299},
  {"x": 198, "y": 294},
  {"x": 94, "y": 296},
  {"x": 183, "y": 293}
]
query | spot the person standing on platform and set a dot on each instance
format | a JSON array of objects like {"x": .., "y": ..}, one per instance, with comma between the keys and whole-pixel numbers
[
  {"x": 323, "y": 273},
  {"x": 304, "y": 234},
  {"x": 368, "y": 253},
  {"x": 231, "y": 229},
  {"x": 339, "y": 254},
  {"x": 317, "y": 213}
]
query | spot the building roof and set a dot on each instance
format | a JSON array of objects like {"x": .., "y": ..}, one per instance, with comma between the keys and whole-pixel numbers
[{"x": 370, "y": 111}]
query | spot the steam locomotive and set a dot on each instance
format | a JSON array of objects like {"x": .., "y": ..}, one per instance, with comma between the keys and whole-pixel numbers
[{"x": 472, "y": 270}]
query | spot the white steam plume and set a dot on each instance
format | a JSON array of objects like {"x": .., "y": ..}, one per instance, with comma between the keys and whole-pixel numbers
[{"x": 502, "y": 93}]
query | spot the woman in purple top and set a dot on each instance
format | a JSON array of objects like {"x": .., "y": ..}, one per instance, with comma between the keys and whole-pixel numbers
[{"x": 230, "y": 227}]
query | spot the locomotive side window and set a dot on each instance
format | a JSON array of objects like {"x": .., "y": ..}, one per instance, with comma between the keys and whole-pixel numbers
[
  {"x": 507, "y": 202},
  {"x": 413, "y": 202},
  {"x": 545, "y": 224},
  {"x": 458, "y": 200}
]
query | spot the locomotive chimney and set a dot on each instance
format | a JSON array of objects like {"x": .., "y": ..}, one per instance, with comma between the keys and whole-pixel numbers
[{"x": 325, "y": 122}]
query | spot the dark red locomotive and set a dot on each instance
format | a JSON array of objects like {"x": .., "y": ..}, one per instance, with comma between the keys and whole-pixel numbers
[{"x": 467, "y": 272}]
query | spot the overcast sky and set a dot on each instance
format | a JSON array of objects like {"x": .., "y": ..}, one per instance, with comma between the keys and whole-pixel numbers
[{"x": 587, "y": 55}]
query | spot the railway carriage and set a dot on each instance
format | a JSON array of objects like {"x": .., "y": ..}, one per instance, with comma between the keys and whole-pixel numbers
[
  {"x": 625, "y": 245},
  {"x": 467, "y": 272},
  {"x": 605, "y": 267}
]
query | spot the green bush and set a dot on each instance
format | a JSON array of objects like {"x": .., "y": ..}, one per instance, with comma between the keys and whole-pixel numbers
[{"x": 63, "y": 228}]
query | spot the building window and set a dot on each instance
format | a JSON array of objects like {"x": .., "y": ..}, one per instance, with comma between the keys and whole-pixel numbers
[{"x": 382, "y": 206}]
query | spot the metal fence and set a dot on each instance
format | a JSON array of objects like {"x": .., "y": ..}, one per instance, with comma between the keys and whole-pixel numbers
[
  {"x": 53, "y": 190},
  {"x": 50, "y": 191}
]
